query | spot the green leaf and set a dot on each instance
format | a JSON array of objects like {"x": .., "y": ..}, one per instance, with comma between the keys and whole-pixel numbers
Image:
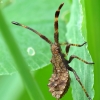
[
  {"x": 20, "y": 62},
  {"x": 23, "y": 50},
  {"x": 31, "y": 46},
  {"x": 93, "y": 28},
  {"x": 84, "y": 71},
  {"x": 15, "y": 45},
  {"x": 8, "y": 85}
]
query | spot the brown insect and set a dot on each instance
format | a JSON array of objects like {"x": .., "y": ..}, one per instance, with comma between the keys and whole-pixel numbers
[{"x": 60, "y": 80}]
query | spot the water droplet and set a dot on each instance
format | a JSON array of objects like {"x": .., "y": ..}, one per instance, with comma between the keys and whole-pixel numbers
[{"x": 31, "y": 51}]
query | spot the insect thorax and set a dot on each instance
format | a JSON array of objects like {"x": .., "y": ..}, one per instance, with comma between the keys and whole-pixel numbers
[{"x": 58, "y": 59}]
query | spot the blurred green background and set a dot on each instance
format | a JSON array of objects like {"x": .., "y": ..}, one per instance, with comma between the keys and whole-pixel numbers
[{"x": 40, "y": 15}]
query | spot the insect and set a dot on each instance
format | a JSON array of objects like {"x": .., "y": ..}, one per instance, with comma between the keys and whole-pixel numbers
[{"x": 60, "y": 79}]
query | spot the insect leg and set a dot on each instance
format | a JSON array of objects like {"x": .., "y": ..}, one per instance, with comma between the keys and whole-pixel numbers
[
  {"x": 42, "y": 36},
  {"x": 73, "y": 56},
  {"x": 71, "y": 44},
  {"x": 78, "y": 79},
  {"x": 68, "y": 46},
  {"x": 56, "y": 35}
]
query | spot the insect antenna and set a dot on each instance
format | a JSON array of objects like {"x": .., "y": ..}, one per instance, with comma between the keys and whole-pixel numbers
[
  {"x": 42, "y": 36},
  {"x": 56, "y": 35}
]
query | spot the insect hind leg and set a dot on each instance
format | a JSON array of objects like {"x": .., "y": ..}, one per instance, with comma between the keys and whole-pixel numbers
[{"x": 79, "y": 81}]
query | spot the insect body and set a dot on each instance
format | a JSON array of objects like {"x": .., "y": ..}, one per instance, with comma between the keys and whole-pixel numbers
[{"x": 60, "y": 80}]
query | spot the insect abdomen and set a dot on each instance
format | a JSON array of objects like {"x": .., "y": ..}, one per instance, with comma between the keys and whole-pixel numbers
[
  {"x": 59, "y": 84},
  {"x": 60, "y": 80}
]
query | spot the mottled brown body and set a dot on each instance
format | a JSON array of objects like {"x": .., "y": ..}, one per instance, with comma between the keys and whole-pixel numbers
[{"x": 60, "y": 79}]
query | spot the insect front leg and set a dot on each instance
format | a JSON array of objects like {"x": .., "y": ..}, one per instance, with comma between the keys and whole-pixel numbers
[
  {"x": 78, "y": 79},
  {"x": 70, "y": 44}
]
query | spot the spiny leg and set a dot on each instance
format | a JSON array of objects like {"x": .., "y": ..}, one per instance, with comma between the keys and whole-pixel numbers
[
  {"x": 56, "y": 35},
  {"x": 70, "y": 44},
  {"x": 73, "y": 56},
  {"x": 42, "y": 36},
  {"x": 78, "y": 79}
]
